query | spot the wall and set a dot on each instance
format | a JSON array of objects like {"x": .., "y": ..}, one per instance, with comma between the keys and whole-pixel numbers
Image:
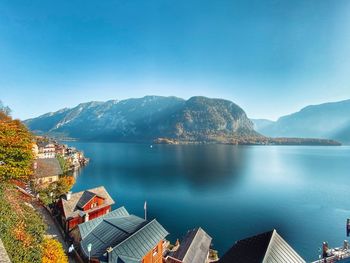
[{"x": 152, "y": 257}]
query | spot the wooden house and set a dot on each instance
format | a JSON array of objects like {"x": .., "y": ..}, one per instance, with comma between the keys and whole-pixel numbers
[
  {"x": 83, "y": 206},
  {"x": 119, "y": 237},
  {"x": 46, "y": 171}
]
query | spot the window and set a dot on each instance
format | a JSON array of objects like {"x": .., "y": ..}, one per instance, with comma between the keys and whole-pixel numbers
[{"x": 155, "y": 250}]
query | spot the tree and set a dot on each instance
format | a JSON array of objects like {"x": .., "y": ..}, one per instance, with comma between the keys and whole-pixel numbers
[
  {"x": 4, "y": 108},
  {"x": 64, "y": 184},
  {"x": 16, "y": 155},
  {"x": 53, "y": 252},
  {"x": 57, "y": 189}
]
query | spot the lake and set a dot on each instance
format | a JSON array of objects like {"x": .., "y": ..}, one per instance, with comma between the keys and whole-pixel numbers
[{"x": 232, "y": 192}]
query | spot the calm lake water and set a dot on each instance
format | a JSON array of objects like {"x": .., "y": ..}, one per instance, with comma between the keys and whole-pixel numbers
[{"x": 230, "y": 191}]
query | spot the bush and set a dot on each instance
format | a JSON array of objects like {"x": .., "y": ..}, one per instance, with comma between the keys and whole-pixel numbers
[
  {"x": 16, "y": 153},
  {"x": 21, "y": 228},
  {"x": 53, "y": 252}
]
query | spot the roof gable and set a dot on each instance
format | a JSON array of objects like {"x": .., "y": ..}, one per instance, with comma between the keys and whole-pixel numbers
[
  {"x": 85, "y": 199},
  {"x": 280, "y": 251},
  {"x": 268, "y": 247},
  {"x": 70, "y": 208},
  {"x": 194, "y": 247},
  {"x": 47, "y": 167},
  {"x": 136, "y": 246},
  {"x": 131, "y": 237}
]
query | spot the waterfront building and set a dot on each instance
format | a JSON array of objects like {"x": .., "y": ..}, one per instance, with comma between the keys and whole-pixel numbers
[
  {"x": 193, "y": 248},
  {"x": 76, "y": 208},
  {"x": 119, "y": 237},
  {"x": 46, "y": 150},
  {"x": 268, "y": 247}
]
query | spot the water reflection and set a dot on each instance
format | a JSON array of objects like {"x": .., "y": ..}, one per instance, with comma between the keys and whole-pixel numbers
[{"x": 230, "y": 191}]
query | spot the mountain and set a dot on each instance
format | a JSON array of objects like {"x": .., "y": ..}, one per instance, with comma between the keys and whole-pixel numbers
[
  {"x": 328, "y": 120},
  {"x": 260, "y": 124},
  {"x": 198, "y": 119}
]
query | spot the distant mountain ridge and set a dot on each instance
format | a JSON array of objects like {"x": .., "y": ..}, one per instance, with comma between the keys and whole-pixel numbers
[
  {"x": 328, "y": 120},
  {"x": 147, "y": 119}
]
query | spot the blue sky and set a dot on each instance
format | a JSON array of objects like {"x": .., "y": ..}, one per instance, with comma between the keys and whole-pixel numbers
[{"x": 271, "y": 57}]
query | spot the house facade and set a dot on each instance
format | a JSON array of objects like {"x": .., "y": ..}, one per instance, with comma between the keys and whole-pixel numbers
[
  {"x": 119, "y": 237},
  {"x": 46, "y": 150},
  {"x": 46, "y": 171},
  {"x": 83, "y": 206}
]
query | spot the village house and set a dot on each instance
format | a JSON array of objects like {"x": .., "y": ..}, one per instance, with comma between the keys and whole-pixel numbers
[
  {"x": 60, "y": 149},
  {"x": 83, "y": 206},
  {"x": 194, "y": 248},
  {"x": 268, "y": 247},
  {"x": 46, "y": 150},
  {"x": 119, "y": 237},
  {"x": 46, "y": 171}
]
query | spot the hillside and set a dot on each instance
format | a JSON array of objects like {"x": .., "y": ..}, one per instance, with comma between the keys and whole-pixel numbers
[
  {"x": 148, "y": 118},
  {"x": 328, "y": 120}
]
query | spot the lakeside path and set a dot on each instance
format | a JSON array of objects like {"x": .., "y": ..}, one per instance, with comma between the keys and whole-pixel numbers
[{"x": 53, "y": 230}]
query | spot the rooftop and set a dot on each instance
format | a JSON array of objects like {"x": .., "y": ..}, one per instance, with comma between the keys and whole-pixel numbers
[
  {"x": 194, "y": 247},
  {"x": 129, "y": 236},
  {"x": 47, "y": 167},
  {"x": 44, "y": 144},
  {"x": 73, "y": 206},
  {"x": 268, "y": 247}
]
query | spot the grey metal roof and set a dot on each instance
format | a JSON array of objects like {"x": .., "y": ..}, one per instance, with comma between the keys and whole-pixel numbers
[
  {"x": 70, "y": 208},
  {"x": 279, "y": 251},
  {"x": 85, "y": 228},
  {"x": 47, "y": 167},
  {"x": 268, "y": 247},
  {"x": 85, "y": 198},
  {"x": 107, "y": 234},
  {"x": 135, "y": 247},
  {"x": 131, "y": 237},
  {"x": 194, "y": 247}
]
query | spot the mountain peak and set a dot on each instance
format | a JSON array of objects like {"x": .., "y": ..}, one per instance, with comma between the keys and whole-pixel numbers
[{"x": 145, "y": 119}]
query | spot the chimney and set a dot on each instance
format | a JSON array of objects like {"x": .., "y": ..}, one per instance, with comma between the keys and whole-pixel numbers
[
  {"x": 109, "y": 254},
  {"x": 86, "y": 217},
  {"x": 68, "y": 195}
]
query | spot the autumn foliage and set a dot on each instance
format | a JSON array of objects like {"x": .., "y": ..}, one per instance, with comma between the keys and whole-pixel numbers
[
  {"x": 21, "y": 228},
  {"x": 16, "y": 154},
  {"x": 53, "y": 252}
]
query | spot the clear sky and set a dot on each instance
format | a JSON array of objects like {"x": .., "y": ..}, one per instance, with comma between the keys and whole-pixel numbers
[{"x": 271, "y": 57}]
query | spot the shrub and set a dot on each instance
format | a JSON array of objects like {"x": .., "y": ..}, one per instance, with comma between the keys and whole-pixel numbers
[
  {"x": 53, "y": 252},
  {"x": 21, "y": 228}
]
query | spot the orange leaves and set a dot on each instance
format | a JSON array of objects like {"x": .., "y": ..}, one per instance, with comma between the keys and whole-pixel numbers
[
  {"x": 15, "y": 149},
  {"x": 53, "y": 252},
  {"x": 20, "y": 234}
]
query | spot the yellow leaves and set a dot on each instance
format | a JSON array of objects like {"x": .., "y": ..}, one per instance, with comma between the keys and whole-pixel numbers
[
  {"x": 53, "y": 252},
  {"x": 20, "y": 234},
  {"x": 15, "y": 149},
  {"x": 64, "y": 184}
]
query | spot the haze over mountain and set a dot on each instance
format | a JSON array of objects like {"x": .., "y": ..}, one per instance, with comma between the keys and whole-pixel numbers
[
  {"x": 148, "y": 118},
  {"x": 328, "y": 120}
]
